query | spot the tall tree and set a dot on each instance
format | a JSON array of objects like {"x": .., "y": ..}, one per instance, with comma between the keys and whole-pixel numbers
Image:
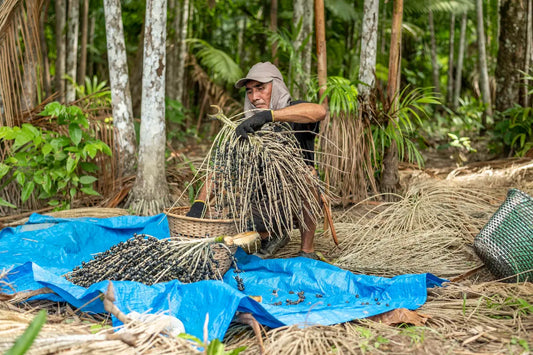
[
  {"x": 434, "y": 63},
  {"x": 82, "y": 67},
  {"x": 61, "y": 45},
  {"x": 174, "y": 11},
  {"x": 460, "y": 59},
  {"x": 274, "y": 27},
  {"x": 303, "y": 17},
  {"x": 120, "y": 88},
  {"x": 482, "y": 59},
  {"x": 320, "y": 25},
  {"x": 451, "y": 54},
  {"x": 511, "y": 53},
  {"x": 390, "y": 176},
  {"x": 182, "y": 57},
  {"x": 72, "y": 47},
  {"x": 150, "y": 193},
  {"x": 369, "y": 42}
]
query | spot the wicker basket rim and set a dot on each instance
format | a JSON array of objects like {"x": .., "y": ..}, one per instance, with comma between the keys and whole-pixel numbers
[{"x": 168, "y": 212}]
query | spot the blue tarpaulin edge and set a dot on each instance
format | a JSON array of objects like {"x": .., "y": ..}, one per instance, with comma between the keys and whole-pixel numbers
[{"x": 46, "y": 248}]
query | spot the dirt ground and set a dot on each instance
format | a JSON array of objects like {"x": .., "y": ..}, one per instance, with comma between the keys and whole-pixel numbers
[{"x": 474, "y": 313}]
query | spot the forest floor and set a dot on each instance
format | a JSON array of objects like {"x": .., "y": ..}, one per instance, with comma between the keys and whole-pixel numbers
[{"x": 474, "y": 313}]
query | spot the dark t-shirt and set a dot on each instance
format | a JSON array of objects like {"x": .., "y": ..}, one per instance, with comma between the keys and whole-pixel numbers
[{"x": 306, "y": 133}]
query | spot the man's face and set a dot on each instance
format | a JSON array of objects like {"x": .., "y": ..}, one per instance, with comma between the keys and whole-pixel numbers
[{"x": 259, "y": 93}]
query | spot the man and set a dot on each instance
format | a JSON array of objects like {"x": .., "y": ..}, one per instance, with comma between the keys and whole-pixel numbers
[{"x": 268, "y": 100}]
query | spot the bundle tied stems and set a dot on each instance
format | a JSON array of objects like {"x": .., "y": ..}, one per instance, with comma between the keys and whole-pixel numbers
[{"x": 264, "y": 175}]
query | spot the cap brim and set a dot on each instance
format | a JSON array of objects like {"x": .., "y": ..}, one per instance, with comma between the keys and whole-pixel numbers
[{"x": 239, "y": 84}]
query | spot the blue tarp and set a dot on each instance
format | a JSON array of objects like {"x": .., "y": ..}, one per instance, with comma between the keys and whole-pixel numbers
[{"x": 46, "y": 248}]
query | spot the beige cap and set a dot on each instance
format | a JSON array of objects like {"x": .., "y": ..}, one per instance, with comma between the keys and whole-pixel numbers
[{"x": 262, "y": 72}]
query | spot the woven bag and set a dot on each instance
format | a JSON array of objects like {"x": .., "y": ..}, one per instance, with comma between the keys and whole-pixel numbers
[
  {"x": 505, "y": 243},
  {"x": 189, "y": 227}
]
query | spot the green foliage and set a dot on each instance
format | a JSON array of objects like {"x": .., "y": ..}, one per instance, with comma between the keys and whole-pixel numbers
[
  {"x": 220, "y": 64},
  {"x": 342, "y": 95},
  {"x": 94, "y": 93},
  {"x": 402, "y": 123},
  {"x": 515, "y": 129},
  {"x": 215, "y": 347},
  {"x": 176, "y": 117},
  {"x": 23, "y": 343},
  {"x": 55, "y": 166}
]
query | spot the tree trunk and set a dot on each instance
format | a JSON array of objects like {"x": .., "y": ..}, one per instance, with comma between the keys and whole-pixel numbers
[
  {"x": 150, "y": 193},
  {"x": 434, "y": 63},
  {"x": 136, "y": 76},
  {"x": 30, "y": 39},
  {"x": 61, "y": 44},
  {"x": 369, "y": 42},
  {"x": 308, "y": 49},
  {"x": 120, "y": 88},
  {"x": 47, "y": 85},
  {"x": 460, "y": 58},
  {"x": 273, "y": 28},
  {"x": 482, "y": 57},
  {"x": 180, "y": 77},
  {"x": 529, "y": 52},
  {"x": 173, "y": 49},
  {"x": 90, "y": 56},
  {"x": 451, "y": 53},
  {"x": 511, "y": 53},
  {"x": 390, "y": 177},
  {"x": 302, "y": 13},
  {"x": 322, "y": 66},
  {"x": 82, "y": 68},
  {"x": 72, "y": 48}
]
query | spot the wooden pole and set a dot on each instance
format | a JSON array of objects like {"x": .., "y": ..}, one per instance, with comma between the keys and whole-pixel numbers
[{"x": 322, "y": 72}]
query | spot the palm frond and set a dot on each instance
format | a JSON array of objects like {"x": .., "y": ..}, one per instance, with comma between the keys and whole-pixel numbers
[
  {"x": 449, "y": 6},
  {"x": 20, "y": 58},
  {"x": 216, "y": 61}
]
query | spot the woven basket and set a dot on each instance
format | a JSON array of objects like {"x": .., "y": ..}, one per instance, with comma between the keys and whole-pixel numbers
[
  {"x": 505, "y": 243},
  {"x": 189, "y": 227}
]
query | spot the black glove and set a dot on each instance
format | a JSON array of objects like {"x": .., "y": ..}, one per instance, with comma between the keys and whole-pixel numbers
[
  {"x": 197, "y": 209},
  {"x": 253, "y": 123}
]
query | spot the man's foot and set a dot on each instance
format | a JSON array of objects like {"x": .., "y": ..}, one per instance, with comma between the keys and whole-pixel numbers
[
  {"x": 271, "y": 246},
  {"x": 311, "y": 255}
]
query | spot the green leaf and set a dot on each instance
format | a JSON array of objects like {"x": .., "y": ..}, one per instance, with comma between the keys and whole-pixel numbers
[
  {"x": 88, "y": 167},
  {"x": 89, "y": 191},
  {"x": 20, "y": 177},
  {"x": 87, "y": 179},
  {"x": 47, "y": 183},
  {"x": 46, "y": 149},
  {"x": 91, "y": 149},
  {"x": 27, "y": 190},
  {"x": 190, "y": 337},
  {"x": 73, "y": 192},
  {"x": 4, "y": 169},
  {"x": 23, "y": 343},
  {"x": 6, "y": 204},
  {"x": 71, "y": 164},
  {"x": 53, "y": 202},
  {"x": 53, "y": 109},
  {"x": 75, "y": 133},
  {"x": 22, "y": 138}
]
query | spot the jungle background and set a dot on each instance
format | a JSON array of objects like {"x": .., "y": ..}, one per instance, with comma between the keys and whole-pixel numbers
[{"x": 105, "y": 104}]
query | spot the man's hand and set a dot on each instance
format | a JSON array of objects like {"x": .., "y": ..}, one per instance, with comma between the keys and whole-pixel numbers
[
  {"x": 253, "y": 123},
  {"x": 197, "y": 209}
]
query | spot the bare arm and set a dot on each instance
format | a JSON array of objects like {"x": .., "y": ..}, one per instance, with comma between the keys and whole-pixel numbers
[{"x": 300, "y": 113}]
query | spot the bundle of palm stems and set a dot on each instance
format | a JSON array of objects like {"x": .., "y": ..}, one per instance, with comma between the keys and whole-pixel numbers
[
  {"x": 430, "y": 229},
  {"x": 263, "y": 176},
  {"x": 149, "y": 260}
]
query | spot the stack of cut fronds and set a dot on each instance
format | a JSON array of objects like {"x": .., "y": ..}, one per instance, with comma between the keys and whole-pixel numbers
[
  {"x": 264, "y": 175},
  {"x": 150, "y": 260},
  {"x": 430, "y": 229}
]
